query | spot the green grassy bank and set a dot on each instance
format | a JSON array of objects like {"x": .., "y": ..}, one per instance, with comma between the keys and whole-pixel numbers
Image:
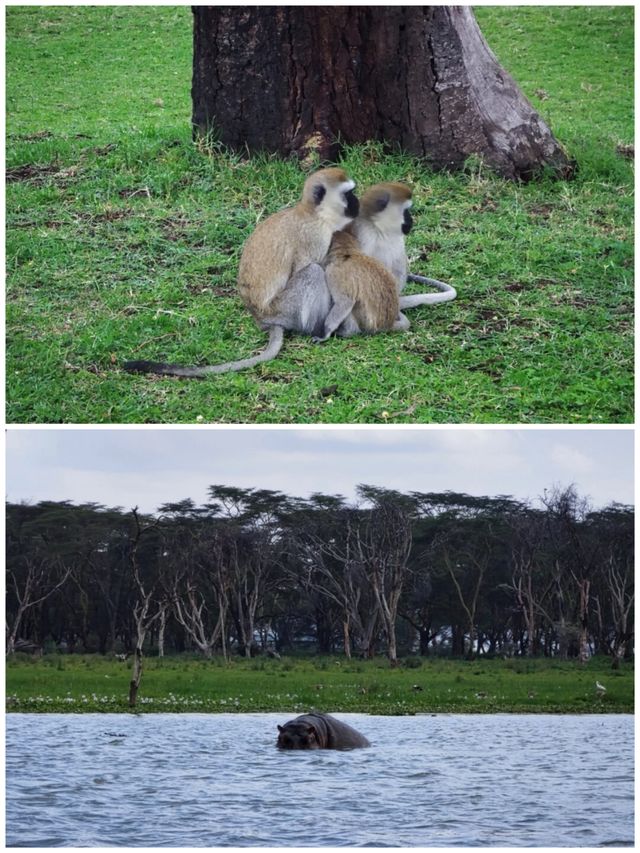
[
  {"x": 123, "y": 241},
  {"x": 58, "y": 683}
]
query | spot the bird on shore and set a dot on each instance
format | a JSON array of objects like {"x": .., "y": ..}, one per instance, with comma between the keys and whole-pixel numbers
[{"x": 600, "y": 688}]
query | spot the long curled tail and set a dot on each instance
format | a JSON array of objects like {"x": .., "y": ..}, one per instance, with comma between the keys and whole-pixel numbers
[
  {"x": 447, "y": 293},
  {"x": 276, "y": 337}
]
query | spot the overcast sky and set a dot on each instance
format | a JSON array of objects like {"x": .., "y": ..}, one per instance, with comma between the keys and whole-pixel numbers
[{"x": 147, "y": 467}]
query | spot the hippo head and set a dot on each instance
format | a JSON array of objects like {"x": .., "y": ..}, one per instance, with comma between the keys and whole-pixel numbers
[{"x": 298, "y": 735}]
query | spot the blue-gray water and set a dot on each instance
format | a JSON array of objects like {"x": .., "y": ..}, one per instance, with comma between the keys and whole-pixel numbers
[{"x": 204, "y": 780}]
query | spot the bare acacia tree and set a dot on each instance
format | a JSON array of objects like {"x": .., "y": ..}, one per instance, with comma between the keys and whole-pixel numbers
[
  {"x": 201, "y": 591},
  {"x": 329, "y": 568},
  {"x": 39, "y": 579},
  {"x": 321, "y": 558},
  {"x": 383, "y": 545},
  {"x": 619, "y": 575},
  {"x": 468, "y": 549},
  {"x": 146, "y": 609},
  {"x": 530, "y": 583},
  {"x": 614, "y": 527},
  {"x": 575, "y": 557},
  {"x": 364, "y": 554},
  {"x": 468, "y": 565},
  {"x": 252, "y": 524}
]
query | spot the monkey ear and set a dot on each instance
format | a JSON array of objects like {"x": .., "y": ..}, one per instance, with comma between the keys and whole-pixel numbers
[
  {"x": 319, "y": 193},
  {"x": 382, "y": 201}
]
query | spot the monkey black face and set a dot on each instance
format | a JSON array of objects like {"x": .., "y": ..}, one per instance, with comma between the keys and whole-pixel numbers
[
  {"x": 319, "y": 192},
  {"x": 353, "y": 205},
  {"x": 407, "y": 222}
]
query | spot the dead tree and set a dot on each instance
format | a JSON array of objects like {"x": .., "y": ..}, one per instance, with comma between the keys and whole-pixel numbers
[
  {"x": 307, "y": 79},
  {"x": 146, "y": 609},
  {"x": 31, "y": 587},
  {"x": 201, "y": 599},
  {"x": 383, "y": 545},
  {"x": 325, "y": 561}
]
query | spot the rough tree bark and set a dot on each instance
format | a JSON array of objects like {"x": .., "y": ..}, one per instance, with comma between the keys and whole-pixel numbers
[{"x": 300, "y": 79}]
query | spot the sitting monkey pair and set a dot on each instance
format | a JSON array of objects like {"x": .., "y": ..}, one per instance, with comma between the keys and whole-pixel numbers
[{"x": 330, "y": 264}]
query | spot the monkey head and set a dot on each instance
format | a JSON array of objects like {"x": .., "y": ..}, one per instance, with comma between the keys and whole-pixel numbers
[
  {"x": 298, "y": 735},
  {"x": 329, "y": 193},
  {"x": 386, "y": 206},
  {"x": 343, "y": 244}
]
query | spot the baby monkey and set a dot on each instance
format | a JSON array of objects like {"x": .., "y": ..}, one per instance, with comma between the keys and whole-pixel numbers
[{"x": 363, "y": 291}]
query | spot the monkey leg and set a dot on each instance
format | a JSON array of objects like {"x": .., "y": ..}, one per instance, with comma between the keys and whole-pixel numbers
[
  {"x": 304, "y": 303},
  {"x": 339, "y": 313},
  {"x": 401, "y": 324},
  {"x": 349, "y": 327}
]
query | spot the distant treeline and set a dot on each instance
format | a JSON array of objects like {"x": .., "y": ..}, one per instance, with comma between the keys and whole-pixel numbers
[{"x": 255, "y": 571}]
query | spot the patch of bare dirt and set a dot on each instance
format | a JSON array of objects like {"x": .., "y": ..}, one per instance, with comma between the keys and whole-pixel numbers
[{"x": 40, "y": 174}]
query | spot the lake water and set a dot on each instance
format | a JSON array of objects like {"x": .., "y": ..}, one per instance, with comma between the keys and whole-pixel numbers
[{"x": 217, "y": 780}]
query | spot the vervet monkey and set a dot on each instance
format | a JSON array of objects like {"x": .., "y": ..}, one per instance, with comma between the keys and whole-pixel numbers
[
  {"x": 382, "y": 224},
  {"x": 280, "y": 279},
  {"x": 364, "y": 294}
]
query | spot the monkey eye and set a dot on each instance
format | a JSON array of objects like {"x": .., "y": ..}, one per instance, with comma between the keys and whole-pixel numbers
[
  {"x": 381, "y": 203},
  {"x": 319, "y": 193}
]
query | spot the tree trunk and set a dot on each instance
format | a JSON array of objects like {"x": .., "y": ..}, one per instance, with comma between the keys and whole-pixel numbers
[
  {"x": 425, "y": 638},
  {"x": 161, "y": 630},
  {"x": 13, "y": 633},
  {"x": 583, "y": 590},
  {"x": 303, "y": 79},
  {"x": 136, "y": 675},
  {"x": 471, "y": 652},
  {"x": 223, "y": 632},
  {"x": 347, "y": 638}
]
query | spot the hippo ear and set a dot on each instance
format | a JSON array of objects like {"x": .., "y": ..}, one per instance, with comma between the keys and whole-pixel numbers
[{"x": 280, "y": 729}]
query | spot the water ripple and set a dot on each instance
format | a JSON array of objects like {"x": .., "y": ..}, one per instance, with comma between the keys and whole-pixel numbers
[{"x": 218, "y": 781}]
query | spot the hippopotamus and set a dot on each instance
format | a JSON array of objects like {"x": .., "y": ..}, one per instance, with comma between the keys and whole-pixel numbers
[{"x": 318, "y": 731}]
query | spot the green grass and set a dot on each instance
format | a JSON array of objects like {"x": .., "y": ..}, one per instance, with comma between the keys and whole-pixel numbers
[
  {"x": 123, "y": 241},
  {"x": 58, "y": 683}
]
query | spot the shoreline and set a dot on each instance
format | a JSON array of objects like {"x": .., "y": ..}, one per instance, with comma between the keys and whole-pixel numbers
[{"x": 94, "y": 684}]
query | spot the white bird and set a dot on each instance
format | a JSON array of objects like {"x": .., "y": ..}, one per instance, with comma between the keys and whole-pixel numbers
[{"x": 600, "y": 688}]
